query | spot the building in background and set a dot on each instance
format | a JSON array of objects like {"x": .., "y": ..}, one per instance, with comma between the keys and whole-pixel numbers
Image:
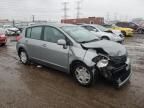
[
  {"x": 5, "y": 22},
  {"x": 89, "y": 20}
]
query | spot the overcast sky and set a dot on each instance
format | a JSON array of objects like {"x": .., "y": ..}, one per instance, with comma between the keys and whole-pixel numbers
[{"x": 52, "y": 9}]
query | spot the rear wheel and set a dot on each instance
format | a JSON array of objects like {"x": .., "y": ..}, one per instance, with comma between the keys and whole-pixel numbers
[
  {"x": 83, "y": 74},
  {"x": 24, "y": 57}
]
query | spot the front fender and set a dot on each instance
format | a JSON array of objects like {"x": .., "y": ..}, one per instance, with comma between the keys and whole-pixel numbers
[{"x": 90, "y": 54}]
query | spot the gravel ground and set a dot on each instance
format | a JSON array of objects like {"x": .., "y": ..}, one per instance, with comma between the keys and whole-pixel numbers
[{"x": 39, "y": 87}]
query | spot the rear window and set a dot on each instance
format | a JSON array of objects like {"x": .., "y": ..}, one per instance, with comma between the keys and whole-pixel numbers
[{"x": 28, "y": 32}]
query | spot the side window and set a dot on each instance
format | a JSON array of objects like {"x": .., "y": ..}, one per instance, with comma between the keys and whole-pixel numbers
[
  {"x": 28, "y": 32},
  {"x": 52, "y": 34},
  {"x": 36, "y": 33}
]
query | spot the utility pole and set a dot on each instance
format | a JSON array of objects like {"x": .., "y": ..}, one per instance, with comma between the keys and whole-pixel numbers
[
  {"x": 108, "y": 16},
  {"x": 115, "y": 16},
  {"x": 65, "y": 9},
  {"x": 13, "y": 22},
  {"x": 78, "y": 8},
  {"x": 33, "y": 18}
]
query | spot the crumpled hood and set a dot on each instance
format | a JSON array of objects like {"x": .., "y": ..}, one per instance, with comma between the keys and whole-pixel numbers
[{"x": 112, "y": 48}]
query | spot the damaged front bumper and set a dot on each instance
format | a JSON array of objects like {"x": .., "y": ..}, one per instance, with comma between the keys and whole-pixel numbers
[{"x": 118, "y": 75}]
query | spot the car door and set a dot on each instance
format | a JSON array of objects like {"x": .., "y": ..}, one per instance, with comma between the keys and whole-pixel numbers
[
  {"x": 54, "y": 54},
  {"x": 33, "y": 42}
]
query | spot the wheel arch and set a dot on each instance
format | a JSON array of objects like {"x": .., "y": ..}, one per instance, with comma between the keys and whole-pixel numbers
[
  {"x": 20, "y": 49},
  {"x": 74, "y": 63},
  {"x": 105, "y": 37}
]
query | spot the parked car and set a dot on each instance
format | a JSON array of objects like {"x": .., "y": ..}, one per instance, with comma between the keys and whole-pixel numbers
[
  {"x": 104, "y": 33},
  {"x": 128, "y": 25},
  {"x": 10, "y": 30},
  {"x": 73, "y": 49},
  {"x": 140, "y": 30},
  {"x": 3, "y": 38},
  {"x": 125, "y": 31}
]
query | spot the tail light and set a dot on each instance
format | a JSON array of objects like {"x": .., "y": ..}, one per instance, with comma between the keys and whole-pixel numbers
[
  {"x": 2, "y": 35},
  {"x": 18, "y": 38}
]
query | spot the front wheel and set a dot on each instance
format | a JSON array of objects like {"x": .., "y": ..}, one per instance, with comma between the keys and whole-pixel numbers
[
  {"x": 23, "y": 57},
  {"x": 83, "y": 75}
]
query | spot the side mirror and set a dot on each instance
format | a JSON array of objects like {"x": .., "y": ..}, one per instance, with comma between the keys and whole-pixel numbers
[{"x": 61, "y": 42}]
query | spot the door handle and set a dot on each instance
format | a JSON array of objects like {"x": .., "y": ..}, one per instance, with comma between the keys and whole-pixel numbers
[{"x": 44, "y": 45}]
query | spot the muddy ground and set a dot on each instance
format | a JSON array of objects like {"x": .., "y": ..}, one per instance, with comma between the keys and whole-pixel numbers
[{"x": 33, "y": 87}]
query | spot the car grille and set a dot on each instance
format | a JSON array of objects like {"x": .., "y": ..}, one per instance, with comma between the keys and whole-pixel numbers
[{"x": 118, "y": 61}]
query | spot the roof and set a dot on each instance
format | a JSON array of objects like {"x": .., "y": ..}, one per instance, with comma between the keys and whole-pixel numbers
[{"x": 53, "y": 24}]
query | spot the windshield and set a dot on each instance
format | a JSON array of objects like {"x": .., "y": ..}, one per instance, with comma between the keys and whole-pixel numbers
[
  {"x": 79, "y": 34},
  {"x": 101, "y": 28},
  {"x": 108, "y": 26}
]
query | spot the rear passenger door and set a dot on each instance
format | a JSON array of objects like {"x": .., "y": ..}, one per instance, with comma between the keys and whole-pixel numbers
[{"x": 33, "y": 41}]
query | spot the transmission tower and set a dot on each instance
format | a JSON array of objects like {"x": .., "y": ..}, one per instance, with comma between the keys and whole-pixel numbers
[
  {"x": 33, "y": 18},
  {"x": 65, "y": 9},
  {"x": 78, "y": 8}
]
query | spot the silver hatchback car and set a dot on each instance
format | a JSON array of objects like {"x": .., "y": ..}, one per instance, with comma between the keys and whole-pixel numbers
[{"x": 75, "y": 50}]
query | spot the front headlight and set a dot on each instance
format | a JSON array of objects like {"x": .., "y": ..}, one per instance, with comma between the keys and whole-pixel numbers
[
  {"x": 101, "y": 60},
  {"x": 102, "y": 63}
]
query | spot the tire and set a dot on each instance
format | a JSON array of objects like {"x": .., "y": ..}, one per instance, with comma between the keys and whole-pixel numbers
[
  {"x": 140, "y": 31},
  {"x": 83, "y": 75},
  {"x": 23, "y": 57},
  {"x": 105, "y": 38},
  {"x": 3, "y": 44},
  {"x": 124, "y": 33}
]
